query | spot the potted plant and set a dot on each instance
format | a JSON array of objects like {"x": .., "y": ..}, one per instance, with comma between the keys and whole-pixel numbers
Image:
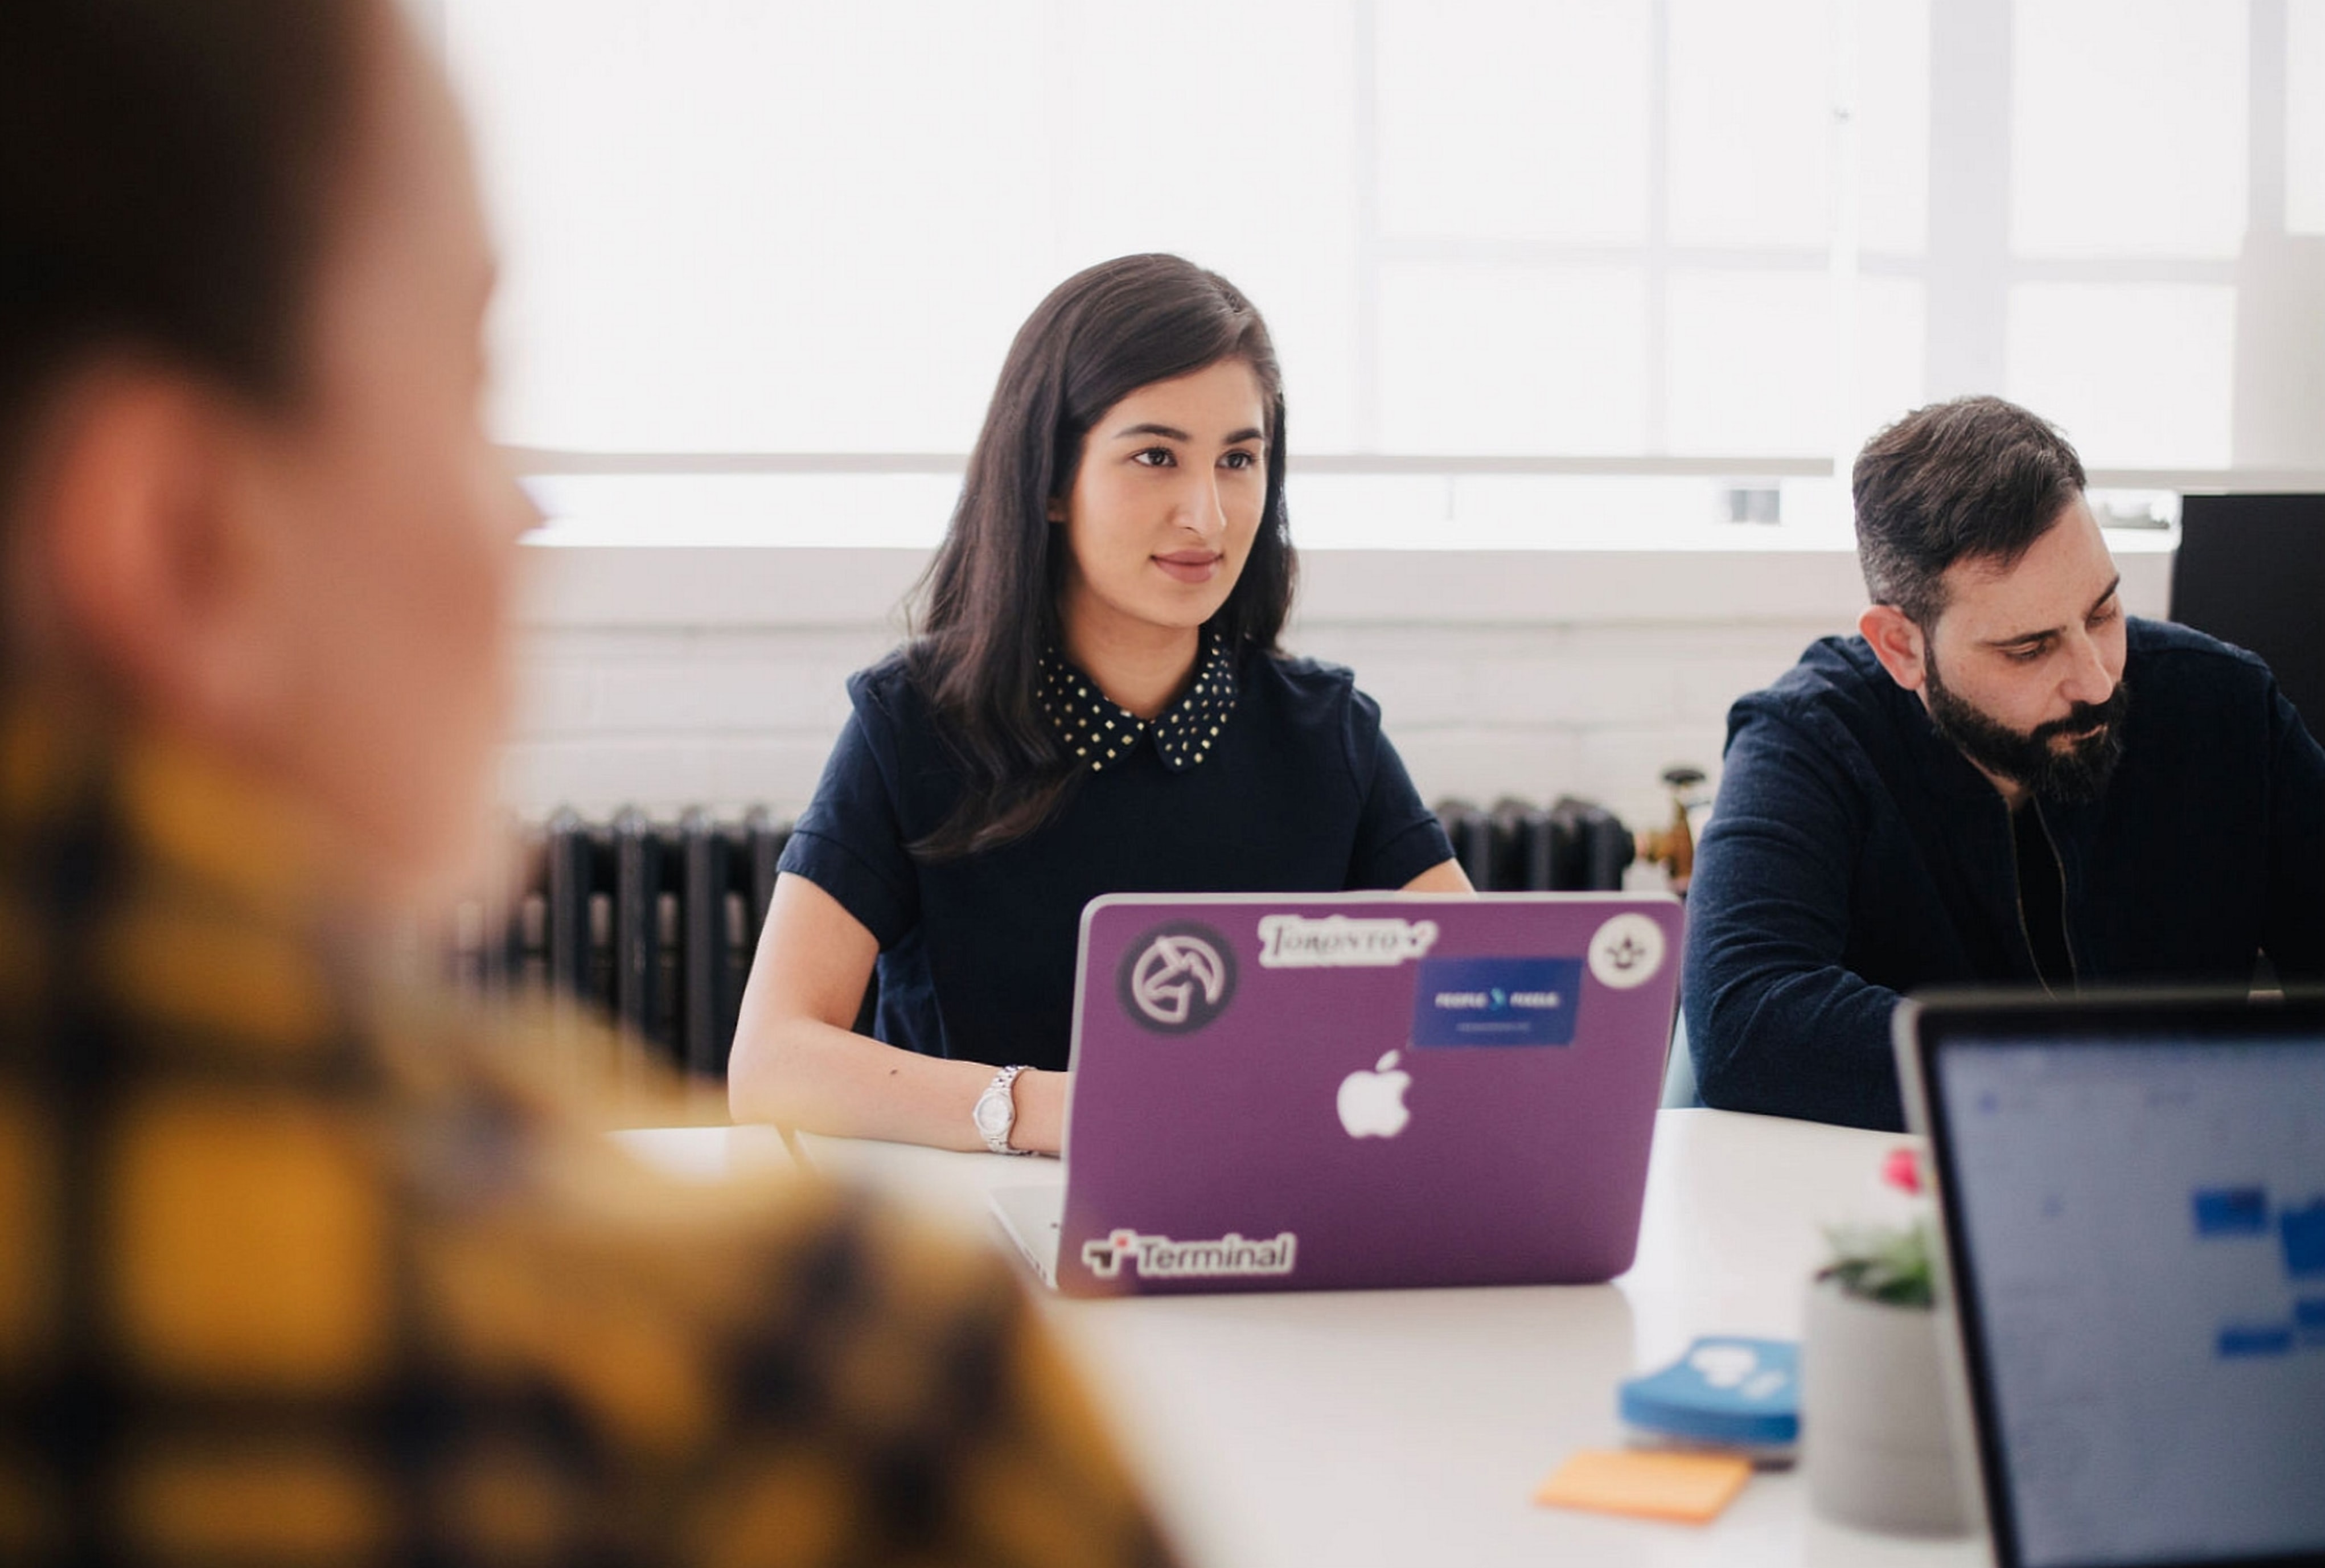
[{"x": 1874, "y": 1432}]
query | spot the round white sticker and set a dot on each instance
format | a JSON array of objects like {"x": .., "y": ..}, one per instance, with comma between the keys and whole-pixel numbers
[
  {"x": 1179, "y": 982},
  {"x": 1627, "y": 952}
]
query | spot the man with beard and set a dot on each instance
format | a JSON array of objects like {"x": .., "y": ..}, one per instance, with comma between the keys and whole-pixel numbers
[{"x": 2002, "y": 780}]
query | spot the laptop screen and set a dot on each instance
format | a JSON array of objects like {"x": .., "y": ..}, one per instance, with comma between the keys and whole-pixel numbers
[{"x": 2138, "y": 1238}]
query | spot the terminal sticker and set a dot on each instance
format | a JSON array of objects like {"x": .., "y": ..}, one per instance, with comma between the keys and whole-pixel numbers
[
  {"x": 1496, "y": 1001},
  {"x": 1228, "y": 1257}
]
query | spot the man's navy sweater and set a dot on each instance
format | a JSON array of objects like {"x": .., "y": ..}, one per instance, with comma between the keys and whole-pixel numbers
[{"x": 1854, "y": 855}]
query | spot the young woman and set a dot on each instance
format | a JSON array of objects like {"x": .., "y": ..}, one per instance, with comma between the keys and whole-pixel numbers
[{"x": 1094, "y": 704}]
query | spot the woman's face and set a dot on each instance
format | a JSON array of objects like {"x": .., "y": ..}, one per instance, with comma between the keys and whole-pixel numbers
[{"x": 1165, "y": 504}]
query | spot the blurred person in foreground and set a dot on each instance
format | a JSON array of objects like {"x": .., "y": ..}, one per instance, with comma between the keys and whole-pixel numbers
[
  {"x": 290, "y": 1271},
  {"x": 2002, "y": 780}
]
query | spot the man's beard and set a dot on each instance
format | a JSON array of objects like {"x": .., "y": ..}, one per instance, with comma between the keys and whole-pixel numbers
[{"x": 2077, "y": 773}]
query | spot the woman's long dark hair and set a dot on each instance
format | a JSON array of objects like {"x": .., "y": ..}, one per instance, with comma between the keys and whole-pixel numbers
[{"x": 989, "y": 600}]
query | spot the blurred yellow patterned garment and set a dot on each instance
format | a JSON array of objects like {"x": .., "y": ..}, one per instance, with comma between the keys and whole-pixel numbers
[{"x": 290, "y": 1276}]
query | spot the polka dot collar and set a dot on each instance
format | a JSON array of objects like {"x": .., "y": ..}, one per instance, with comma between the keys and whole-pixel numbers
[{"x": 1100, "y": 732}]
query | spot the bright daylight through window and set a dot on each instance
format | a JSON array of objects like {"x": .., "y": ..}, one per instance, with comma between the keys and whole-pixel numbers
[{"x": 1536, "y": 271}]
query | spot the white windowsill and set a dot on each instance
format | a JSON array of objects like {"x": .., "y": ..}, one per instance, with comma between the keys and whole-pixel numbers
[{"x": 698, "y": 575}]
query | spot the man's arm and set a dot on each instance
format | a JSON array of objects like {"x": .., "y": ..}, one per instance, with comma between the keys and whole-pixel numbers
[
  {"x": 1775, "y": 1022},
  {"x": 2293, "y": 936}
]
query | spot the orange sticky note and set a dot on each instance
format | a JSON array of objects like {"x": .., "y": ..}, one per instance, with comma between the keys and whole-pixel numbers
[{"x": 1692, "y": 1487}]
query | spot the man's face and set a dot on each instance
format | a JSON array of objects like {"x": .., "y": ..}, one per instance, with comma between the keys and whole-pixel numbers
[
  {"x": 2023, "y": 668},
  {"x": 394, "y": 521}
]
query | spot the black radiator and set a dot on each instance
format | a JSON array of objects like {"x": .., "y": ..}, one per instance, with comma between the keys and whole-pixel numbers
[
  {"x": 1512, "y": 847},
  {"x": 654, "y": 924},
  {"x": 649, "y": 924}
]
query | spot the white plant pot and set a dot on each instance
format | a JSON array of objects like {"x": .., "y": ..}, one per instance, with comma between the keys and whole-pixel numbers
[{"x": 1873, "y": 1432}]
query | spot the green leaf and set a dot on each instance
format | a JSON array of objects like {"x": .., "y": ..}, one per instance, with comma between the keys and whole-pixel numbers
[{"x": 1881, "y": 1263}]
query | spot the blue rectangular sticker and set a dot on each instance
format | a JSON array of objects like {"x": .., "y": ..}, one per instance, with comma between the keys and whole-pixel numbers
[
  {"x": 2241, "y": 1340},
  {"x": 1495, "y": 1001},
  {"x": 2304, "y": 1238},
  {"x": 2231, "y": 1211}
]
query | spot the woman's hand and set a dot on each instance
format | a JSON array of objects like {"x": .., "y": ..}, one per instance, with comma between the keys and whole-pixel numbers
[
  {"x": 1040, "y": 1111},
  {"x": 797, "y": 1062}
]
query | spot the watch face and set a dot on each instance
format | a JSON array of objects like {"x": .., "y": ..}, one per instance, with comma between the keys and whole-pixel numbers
[{"x": 993, "y": 1115}]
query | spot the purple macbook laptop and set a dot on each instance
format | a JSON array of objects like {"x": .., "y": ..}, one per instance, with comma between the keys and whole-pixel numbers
[{"x": 1356, "y": 1090}]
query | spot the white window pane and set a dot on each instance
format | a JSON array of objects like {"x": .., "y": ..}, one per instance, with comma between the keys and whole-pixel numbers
[
  {"x": 1750, "y": 118},
  {"x": 738, "y": 225},
  {"x": 1509, "y": 360},
  {"x": 1229, "y": 137},
  {"x": 1751, "y": 358},
  {"x": 1893, "y": 125},
  {"x": 1587, "y": 512},
  {"x": 1367, "y": 511},
  {"x": 1513, "y": 121},
  {"x": 2139, "y": 375},
  {"x": 1891, "y": 328},
  {"x": 2305, "y": 116},
  {"x": 2128, "y": 128}
]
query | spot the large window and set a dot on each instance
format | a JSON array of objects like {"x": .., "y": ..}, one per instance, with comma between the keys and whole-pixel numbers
[{"x": 1506, "y": 248}]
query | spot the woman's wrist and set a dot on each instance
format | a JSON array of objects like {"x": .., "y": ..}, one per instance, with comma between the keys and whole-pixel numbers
[{"x": 1040, "y": 1111}]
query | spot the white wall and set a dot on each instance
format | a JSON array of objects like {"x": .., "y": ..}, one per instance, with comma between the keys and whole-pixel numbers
[{"x": 670, "y": 676}]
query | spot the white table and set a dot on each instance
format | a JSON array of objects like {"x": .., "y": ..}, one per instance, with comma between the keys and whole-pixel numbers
[{"x": 1411, "y": 1427}]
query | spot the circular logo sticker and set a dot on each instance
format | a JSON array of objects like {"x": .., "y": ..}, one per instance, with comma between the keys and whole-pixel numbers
[
  {"x": 1177, "y": 978},
  {"x": 1627, "y": 952}
]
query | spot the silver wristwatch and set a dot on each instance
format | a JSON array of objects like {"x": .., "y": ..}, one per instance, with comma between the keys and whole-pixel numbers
[{"x": 996, "y": 1112}]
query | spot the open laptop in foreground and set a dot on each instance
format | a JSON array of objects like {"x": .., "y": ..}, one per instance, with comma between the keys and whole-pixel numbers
[
  {"x": 1330, "y": 1093},
  {"x": 2133, "y": 1193}
]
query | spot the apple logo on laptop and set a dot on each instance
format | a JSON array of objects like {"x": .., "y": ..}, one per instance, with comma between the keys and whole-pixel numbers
[{"x": 1372, "y": 1104}]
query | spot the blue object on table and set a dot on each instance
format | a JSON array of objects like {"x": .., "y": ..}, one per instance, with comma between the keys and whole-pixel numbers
[{"x": 1723, "y": 1393}]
